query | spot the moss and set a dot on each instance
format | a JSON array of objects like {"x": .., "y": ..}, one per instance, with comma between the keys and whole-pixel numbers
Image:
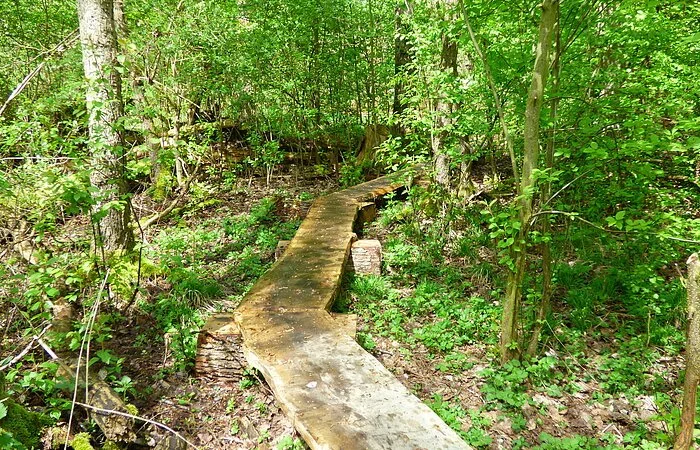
[
  {"x": 24, "y": 425},
  {"x": 111, "y": 445},
  {"x": 162, "y": 186},
  {"x": 131, "y": 409},
  {"x": 81, "y": 441}
]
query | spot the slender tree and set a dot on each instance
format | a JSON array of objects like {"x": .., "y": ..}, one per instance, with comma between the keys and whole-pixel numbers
[
  {"x": 546, "y": 191},
  {"x": 104, "y": 104},
  {"x": 684, "y": 439},
  {"x": 402, "y": 56},
  {"x": 531, "y": 151}
]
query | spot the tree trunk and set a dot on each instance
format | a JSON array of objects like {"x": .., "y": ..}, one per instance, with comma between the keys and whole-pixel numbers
[
  {"x": 511, "y": 307},
  {"x": 443, "y": 109},
  {"x": 402, "y": 57},
  {"x": 684, "y": 440},
  {"x": 547, "y": 270},
  {"x": 104, "y": 105},
  {"x": 496, "y": 97},
  {"x": 119, "y": 20}
]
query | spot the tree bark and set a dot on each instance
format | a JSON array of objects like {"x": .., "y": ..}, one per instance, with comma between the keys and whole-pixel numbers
[
  {"x": 104, "y": 105},
  {"x": 443, "y": 109},
  {"x": 511, "y": 308},
  {"x": 119, "y": 20},
  {"x": 684, "y": 440},
  {"x": 547, "y": 270},
  {"x": 402, "y": 57}
]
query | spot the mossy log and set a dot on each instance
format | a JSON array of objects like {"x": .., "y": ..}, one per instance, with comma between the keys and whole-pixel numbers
[
  {"x": 100, "y": 395},
  {"x": 24, "y": 426}
]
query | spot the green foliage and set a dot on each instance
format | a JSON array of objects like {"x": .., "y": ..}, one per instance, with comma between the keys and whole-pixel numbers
[
  {"x": 20, "y": 428},
  {"x": 7, "y": 441},
  {"x": 453, "y": 415},
  {"x": 549, "y": 442},
  {"x": 180, "y": 324},
  {"x": 43, "y": 195},
  {"x": 507, "y": 385},
  {"x": 249, "y": 379},
  {"x": 303, "y": 78},
  {"x": 266, "y": 153},
  {"x": 81, "y": 441},
  {"x": 289, "y": 443},
  {"x": 449, "y": 413},
  {"x": 351, "y": 173}
]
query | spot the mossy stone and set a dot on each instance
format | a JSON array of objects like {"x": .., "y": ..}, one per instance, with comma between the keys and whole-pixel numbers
[{"x": 25, "y": 426}]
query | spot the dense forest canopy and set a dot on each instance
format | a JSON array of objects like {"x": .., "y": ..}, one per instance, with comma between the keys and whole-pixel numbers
[{"x": 153, "y": 153}]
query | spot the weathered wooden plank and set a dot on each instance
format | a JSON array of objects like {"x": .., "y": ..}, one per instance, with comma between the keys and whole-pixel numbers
[{"x": 337, "y": 395}]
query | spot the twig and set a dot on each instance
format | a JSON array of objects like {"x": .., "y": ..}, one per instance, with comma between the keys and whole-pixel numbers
[
  {"x": 156, "y": 217},
  {"x": 26, "y": 349},
  {"x": 689, "y": 241},
  {"x": 143, "y": 419},
  {"x": 47, "y": 349},
  {"x": 88, "y": 331},
  {"x": 59, "y": 48},
  {"x": 37, "y": 158},
  {"x": 567, "y": 185}
]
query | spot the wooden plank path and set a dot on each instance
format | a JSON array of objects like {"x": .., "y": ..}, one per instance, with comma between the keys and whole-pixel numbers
[{"x": 337, "y": 395}]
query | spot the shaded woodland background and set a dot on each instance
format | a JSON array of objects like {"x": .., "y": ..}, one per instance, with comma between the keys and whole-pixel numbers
[{"x": 541, "y": 267}]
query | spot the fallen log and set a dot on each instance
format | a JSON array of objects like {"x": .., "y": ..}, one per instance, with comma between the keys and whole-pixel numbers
[{"x": 101, "y": 396}]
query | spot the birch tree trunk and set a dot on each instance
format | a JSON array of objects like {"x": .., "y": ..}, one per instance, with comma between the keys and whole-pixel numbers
[
  {"x": 442, "y": 108},
  {"x": 509, "y": 324},
  {"x": 104, "y": 105}
]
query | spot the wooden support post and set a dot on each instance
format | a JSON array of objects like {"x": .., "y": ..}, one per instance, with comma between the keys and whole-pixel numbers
[
  {"x": 281, "y": 248},
  {"x": 367, "y": 213},
  {"x": 366, "y": 257},
  {"x": 219, "y": 352}
]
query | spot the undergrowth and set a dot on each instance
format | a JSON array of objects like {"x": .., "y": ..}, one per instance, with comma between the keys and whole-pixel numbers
[{"x": 616, "y": 313}]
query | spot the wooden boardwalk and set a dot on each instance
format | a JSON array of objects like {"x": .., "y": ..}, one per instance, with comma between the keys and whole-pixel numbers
[{"x": 337, "y": 395}]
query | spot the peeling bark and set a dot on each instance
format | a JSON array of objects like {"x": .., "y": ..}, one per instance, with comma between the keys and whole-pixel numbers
[{"x": 104, "y": 104}]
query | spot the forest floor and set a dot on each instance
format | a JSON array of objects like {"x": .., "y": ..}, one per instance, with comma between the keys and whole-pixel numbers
[
  {"x": 435, "y": 329},
  {"x": 221, "y": 415}
]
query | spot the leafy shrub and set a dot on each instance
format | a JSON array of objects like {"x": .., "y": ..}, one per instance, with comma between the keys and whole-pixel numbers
[{"x": 180, "y": 323}]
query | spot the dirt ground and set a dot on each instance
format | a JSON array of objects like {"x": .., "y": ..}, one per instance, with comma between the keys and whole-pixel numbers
[{"x": 244, "y": 415}]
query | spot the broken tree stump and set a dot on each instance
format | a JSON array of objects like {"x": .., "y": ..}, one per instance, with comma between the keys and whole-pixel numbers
[
  {"x": 219, "y": 353},
  {"x": 366, "y": 257}
]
